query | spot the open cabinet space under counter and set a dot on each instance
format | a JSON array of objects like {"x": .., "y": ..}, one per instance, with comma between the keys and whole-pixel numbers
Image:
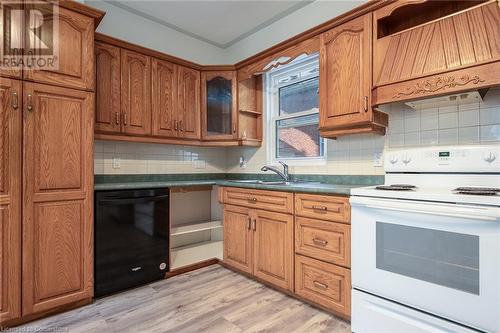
[{"x": 196, "y": 229}]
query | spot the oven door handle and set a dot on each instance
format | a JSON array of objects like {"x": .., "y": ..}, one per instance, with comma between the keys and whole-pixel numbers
[{"x": 430, "y": 208}]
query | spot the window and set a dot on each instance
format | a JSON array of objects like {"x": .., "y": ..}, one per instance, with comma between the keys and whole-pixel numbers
[{"x": 293, "y": 107}]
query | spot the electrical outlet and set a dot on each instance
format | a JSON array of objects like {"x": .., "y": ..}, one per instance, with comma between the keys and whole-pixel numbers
[
  {"x": 116, "y": 163},
  {"x": 377, "y": 159}
]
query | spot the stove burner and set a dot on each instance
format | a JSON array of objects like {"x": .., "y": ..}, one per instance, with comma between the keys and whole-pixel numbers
[
  {"x": 396, "y": 187},
  {"x": 477, "y": 190}
]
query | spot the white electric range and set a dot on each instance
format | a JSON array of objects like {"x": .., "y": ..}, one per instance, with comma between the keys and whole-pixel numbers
[{"x": 426, "y": 244}]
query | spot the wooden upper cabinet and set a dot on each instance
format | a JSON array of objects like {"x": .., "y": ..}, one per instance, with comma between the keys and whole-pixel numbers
[
  {"x": 16, "y": 38},
  {"x": 219, "y": 105},
  {"x": 57, "y": 197},
  {"x": 75, "y": 51},
  {"x": 136, "y": 92},
  {"x": 165, "y": 114},
  {"x": 10, "y": 199},
  {"x": 428, "y": 48},
  {"x": 273, "y": 248},
  {"x": 238, "y": 238},
  {"x": 188, "y": 103},
  {"x": 345, "y": 79},
  {"x": 108, "y": 117}
]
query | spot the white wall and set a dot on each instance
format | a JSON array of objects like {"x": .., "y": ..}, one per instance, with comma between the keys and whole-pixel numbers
[
  {"x": 297, "y": 22},
  {"x": 135, "y": 29}
]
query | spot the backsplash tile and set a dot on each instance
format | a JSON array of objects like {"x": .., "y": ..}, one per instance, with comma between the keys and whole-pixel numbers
[{"x": 349, "y": 155}]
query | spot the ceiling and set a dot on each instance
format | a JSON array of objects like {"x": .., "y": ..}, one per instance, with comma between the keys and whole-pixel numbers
[{"x": 220, "y": 23}]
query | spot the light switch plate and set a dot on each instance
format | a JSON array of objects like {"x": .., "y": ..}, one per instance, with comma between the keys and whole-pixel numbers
[{"x": 116, "y": 163}]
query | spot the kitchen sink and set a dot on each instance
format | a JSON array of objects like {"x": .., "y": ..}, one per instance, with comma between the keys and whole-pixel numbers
[{"x": 274, "y": 182}]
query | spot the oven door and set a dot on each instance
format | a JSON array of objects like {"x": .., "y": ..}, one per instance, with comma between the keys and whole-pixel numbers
[{"x": 437, "y": 257}]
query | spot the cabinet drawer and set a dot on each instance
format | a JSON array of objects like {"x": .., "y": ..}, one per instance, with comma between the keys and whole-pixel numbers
[
  {"x": 323, "y": 207},
  {"x": 281, "y": 202},
  {"x": 327, "y": 241},
  {"x": 324, "y": 284}
]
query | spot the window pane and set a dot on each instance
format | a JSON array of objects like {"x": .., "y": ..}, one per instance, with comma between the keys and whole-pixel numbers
[
  {"x": 445, "y": 258},
  {"x": 298, "y": 97},
  {"x": 298, "y": 137}
]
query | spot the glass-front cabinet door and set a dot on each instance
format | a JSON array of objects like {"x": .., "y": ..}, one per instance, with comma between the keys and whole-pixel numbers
[{"x": 219, "y": 105}]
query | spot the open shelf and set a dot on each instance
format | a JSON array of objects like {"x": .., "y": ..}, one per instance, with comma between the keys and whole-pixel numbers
[
  {"x": 194, "y": 227},
  {"x": 189, "y": 254}
]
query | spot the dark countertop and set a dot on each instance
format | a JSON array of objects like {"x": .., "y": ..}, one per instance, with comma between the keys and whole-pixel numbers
[{"x": 300, "y": 187}]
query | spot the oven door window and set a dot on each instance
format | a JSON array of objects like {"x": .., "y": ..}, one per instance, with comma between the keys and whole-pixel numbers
[{"x": 445, "y": 258}]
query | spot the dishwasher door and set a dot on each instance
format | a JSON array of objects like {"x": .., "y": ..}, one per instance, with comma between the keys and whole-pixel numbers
[{"x": 131, "y": 238}]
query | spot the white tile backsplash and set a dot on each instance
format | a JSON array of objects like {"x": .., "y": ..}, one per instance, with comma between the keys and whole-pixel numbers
[{"x": 458, "y": 124}]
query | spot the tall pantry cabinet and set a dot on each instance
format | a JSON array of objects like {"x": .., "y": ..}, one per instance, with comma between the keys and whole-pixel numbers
[{"x": 46, "y": 175}]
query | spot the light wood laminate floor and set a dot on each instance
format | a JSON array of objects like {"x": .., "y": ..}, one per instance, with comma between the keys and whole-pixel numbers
[{"x": 211, "y": 299}]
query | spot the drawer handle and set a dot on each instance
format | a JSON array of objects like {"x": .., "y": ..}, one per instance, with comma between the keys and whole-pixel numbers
[
  {"x": 320, "y": 285},
  {"x": 318, "y": 241},
  {"x": 252, "y": 200},
  {"x": 320, "y": 208}
]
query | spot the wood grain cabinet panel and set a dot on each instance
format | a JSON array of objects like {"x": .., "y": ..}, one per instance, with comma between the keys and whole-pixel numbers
[
  {"x": 10, "y": 199},
  {"x": 75, "y": 45},
  {"x": 423, "y": 49},
  {"x": 136, "y": 92},
  {"x": 188, "y": 86},
  {"x": 57, "y": 198},
  {"x": 8, "y": 20},
  {"x": 108, "y": 117},
  {"x": 323, "y": 207},
  {"x": 281, "y": 202},
  {"x": 273, "y": 248},
  {"x": 324, "y": 284},
  {"x": 165, "y": 114},
  {"x": 238, "y": 238},
  {"x": 327, "y": 241},
  {"x": 345, "y": 80}
]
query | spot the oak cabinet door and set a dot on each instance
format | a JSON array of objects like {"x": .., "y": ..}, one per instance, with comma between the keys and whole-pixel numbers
[
  {"x": 238, "y": 238},
  {"x": 165, "y": 122},
  {"x": 219, "y": 105},
  {"x": 57, "y": 197},
  {"x": 189, "y": 103},
  {"x": 108, "y": 116},
  {"x": 75, "y": 45},
  {"x": 345, "y": 74},
  {"x": 16, "y": 39},
  {"x": 10, "y": 199},
  {"x": 273, "y": 248},
  {"x": 136, "y": 93}
]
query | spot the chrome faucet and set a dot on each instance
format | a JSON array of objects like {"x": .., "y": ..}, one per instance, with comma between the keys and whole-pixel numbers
[{"x": 284, "y": 174}]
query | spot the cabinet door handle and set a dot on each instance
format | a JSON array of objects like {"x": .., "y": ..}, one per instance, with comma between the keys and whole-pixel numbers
[
  {"x": 234, "y": 127},
  {"x": 181, "y": 128},
  {"x": 249, "y": 221},
  {"x": 365, "y": 104},
  {"x": 319, "y": 241},
  {"x": 320, "y": 208},
  {"x": 125, "y": 118},
  {"x": 320, "y": 285},
  {"x": 30, "y": 103},
  {"x": 117, "y": 118},
  {"x": 175, "y": 125},
  {"x": 254, "y": 224},
  {"x": 15, "y": 101}
]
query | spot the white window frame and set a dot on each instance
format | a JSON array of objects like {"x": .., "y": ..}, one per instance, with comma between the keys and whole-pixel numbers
[{"x": 297, "y": 67}]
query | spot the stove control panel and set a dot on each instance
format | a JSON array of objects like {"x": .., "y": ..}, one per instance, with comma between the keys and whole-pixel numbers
[{"x": 449, "y": 159}]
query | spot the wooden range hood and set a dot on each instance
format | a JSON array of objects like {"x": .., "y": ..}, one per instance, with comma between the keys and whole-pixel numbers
[{"x": 430, "y": 48}]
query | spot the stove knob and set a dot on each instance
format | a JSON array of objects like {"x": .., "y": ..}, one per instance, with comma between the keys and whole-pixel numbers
[
  {"x": 490, "y": 158},
  {"x": 393, "y": 160},
  {"x": 407, "y": 160}
]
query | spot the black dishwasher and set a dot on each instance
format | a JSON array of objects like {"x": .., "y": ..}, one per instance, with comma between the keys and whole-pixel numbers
[{"x": 131, "y": 238}]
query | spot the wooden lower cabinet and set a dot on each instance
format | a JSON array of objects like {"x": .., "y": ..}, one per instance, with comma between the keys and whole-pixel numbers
[
  {"x": 260, "y": 243},
  {"x": 238, "y": 238},
  {"x": 10, "y": 199},
  {"x": 309, "y": 257},
  {"x": 273, "y": 248},
  {"x": 57, "y": 197},
  {"x": 323, "y": 283}
]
